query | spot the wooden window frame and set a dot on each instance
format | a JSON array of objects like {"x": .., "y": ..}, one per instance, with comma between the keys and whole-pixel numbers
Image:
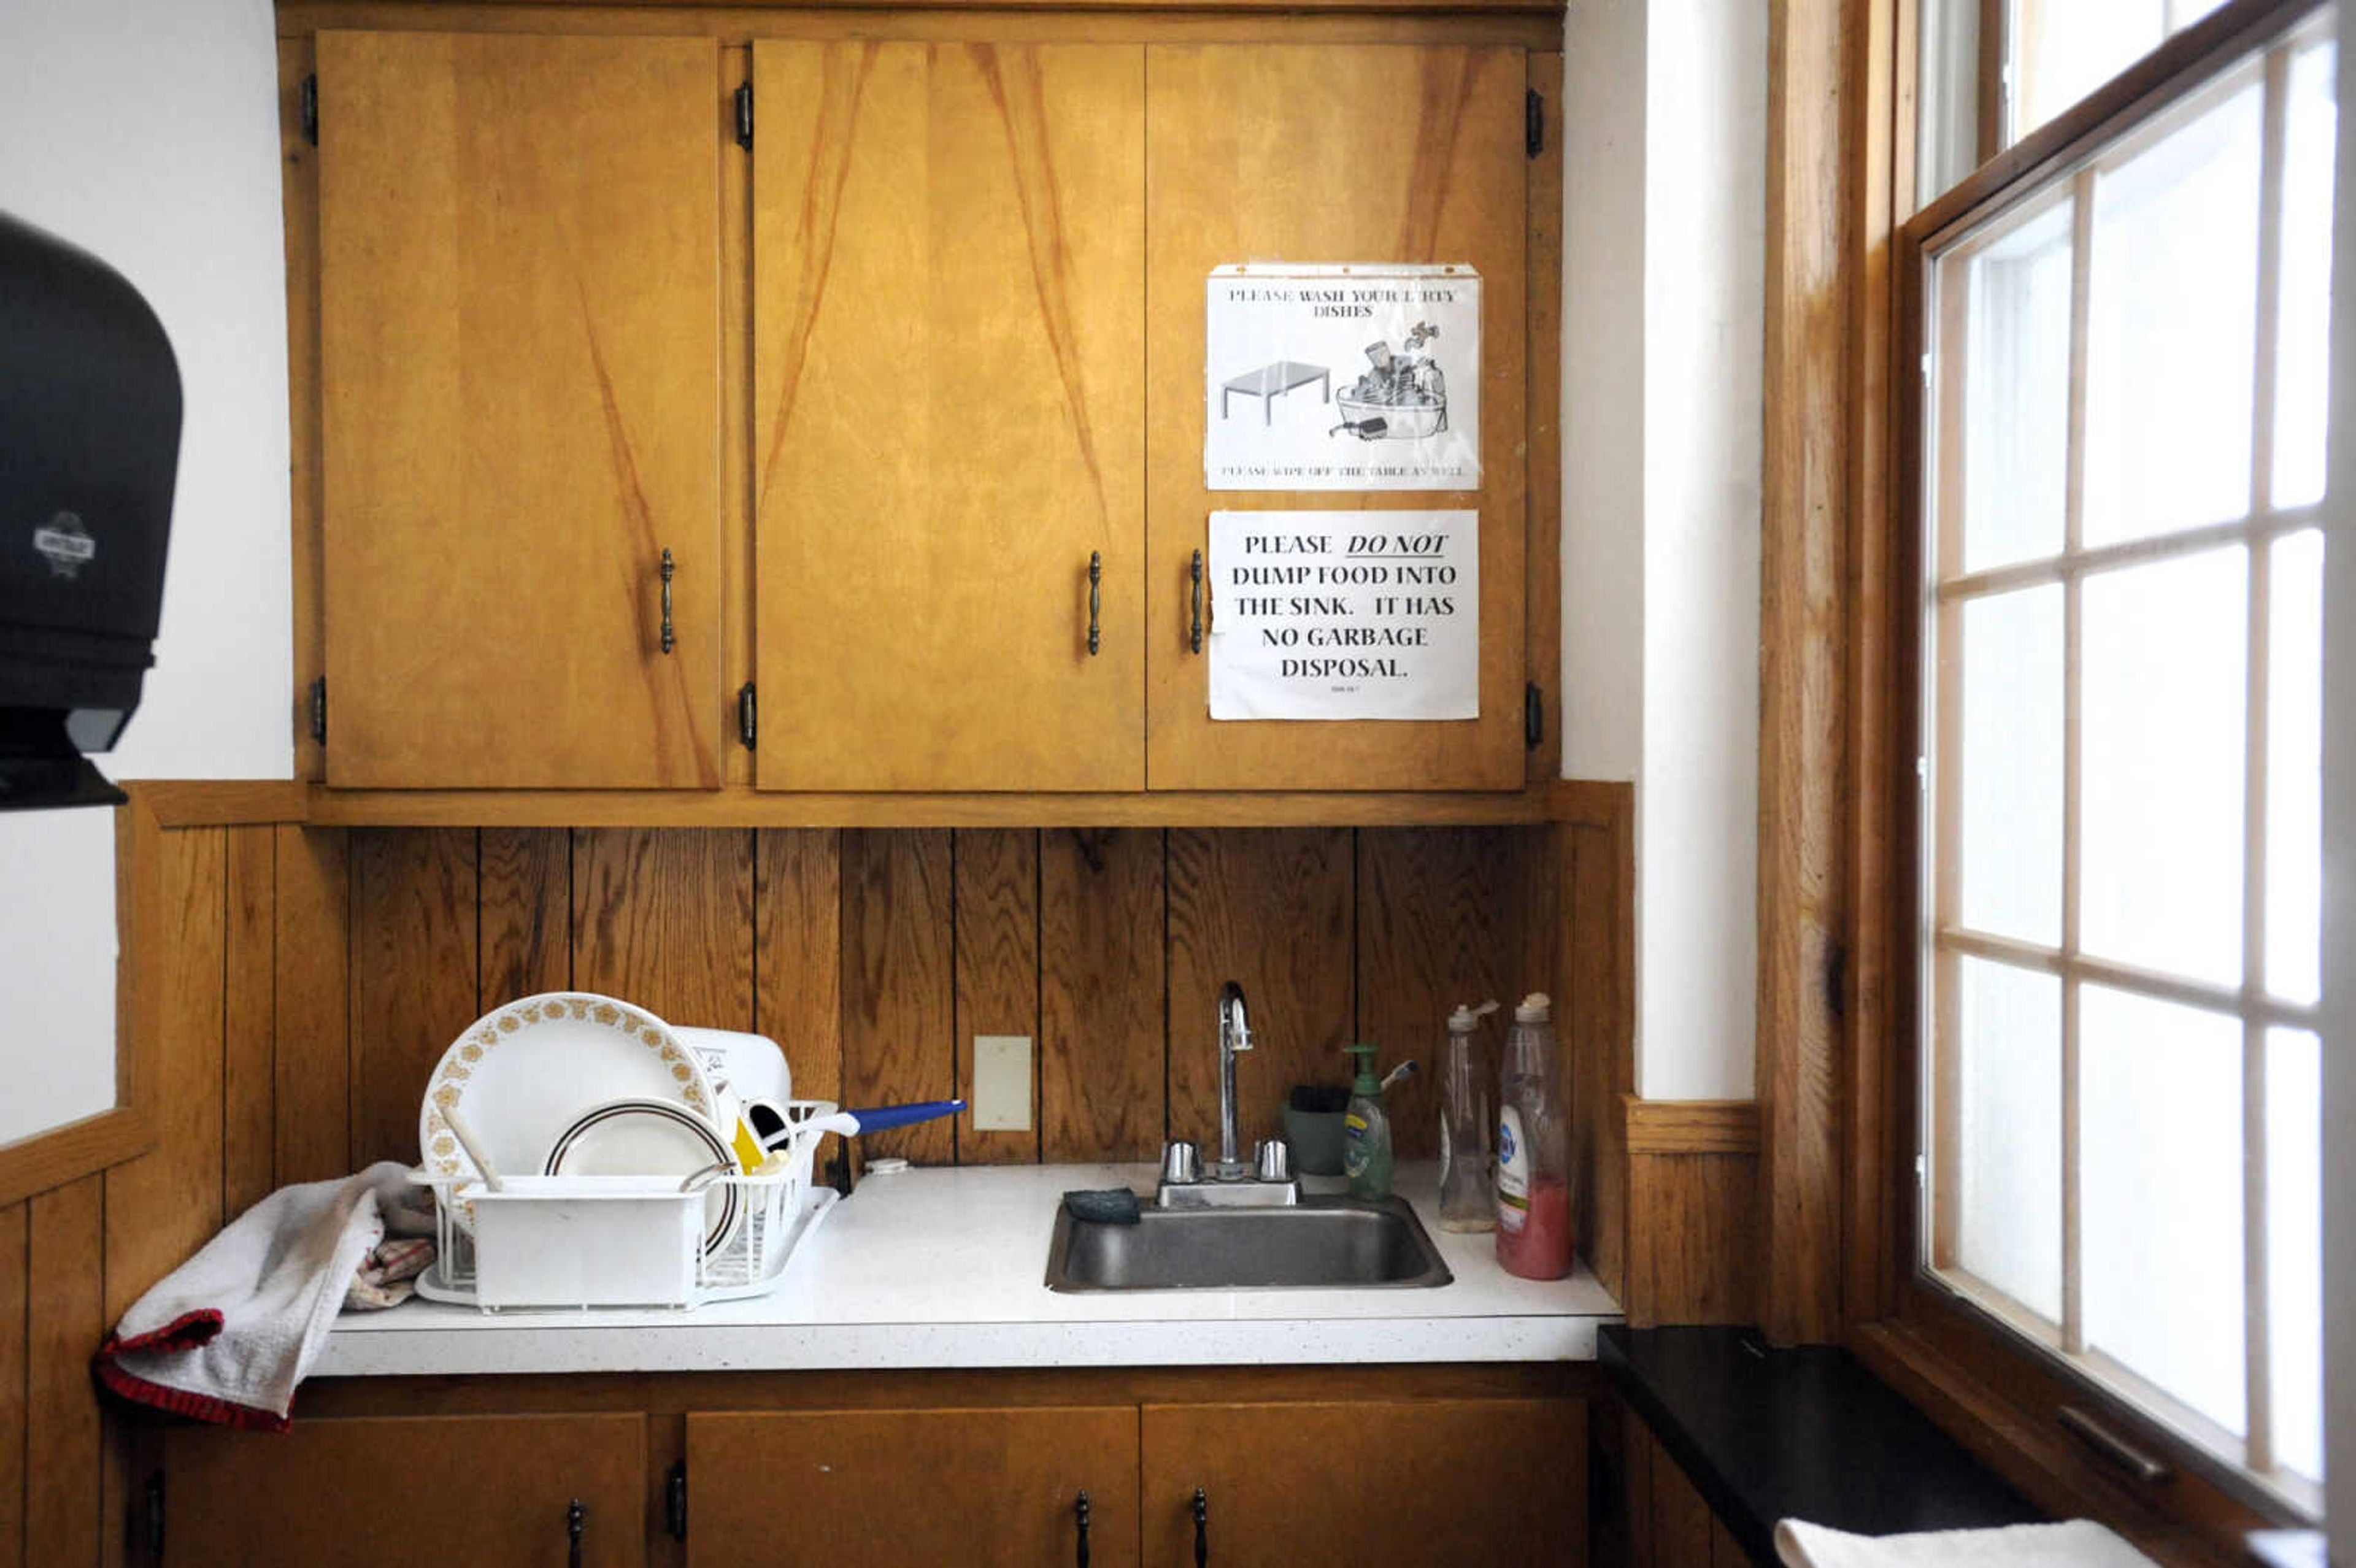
[{"x": 2003, "y": 1398}]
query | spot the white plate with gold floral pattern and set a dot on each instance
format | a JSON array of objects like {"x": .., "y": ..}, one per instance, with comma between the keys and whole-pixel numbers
[{"x": 522, "y": 1074}]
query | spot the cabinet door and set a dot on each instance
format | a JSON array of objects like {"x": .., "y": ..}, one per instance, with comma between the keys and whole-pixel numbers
[
  {"x": 948, "y": 286},
  {"x": 1374, "y": 1483},
  {"x": 488, "y": 1491},
  {"x": 519, "y": 318},
  {"x": 1367, "y": 154},
  {"x": 982, "y": 1489}
]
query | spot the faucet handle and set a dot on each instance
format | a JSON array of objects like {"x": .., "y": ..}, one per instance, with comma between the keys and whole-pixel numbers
[
  {"x": 1181, "y": 1162},
  {"x": 1274, "y": 1158}
]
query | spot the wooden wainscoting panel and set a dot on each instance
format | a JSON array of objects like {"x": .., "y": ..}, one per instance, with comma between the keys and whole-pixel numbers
[
  {"x": 1102, "y": 1089},
  {"x": 311, "y": 954},
  {"x": 1440, "y": 923},
  {"x": 997, "y": 875},
  {"x": 873, "y": 957},
  {"x": 797, "y": 953},
  {"x": 413, "y": 976},
  {"x": 16, "y": 1258},
  {"x": 65, "y": 1319},
  {"x": 250, "y": 1023},
  {"x": 1693, "y": 1211},
  {"x": 899, "y": 1015},
  {"x": 662, "y": 917},
  {"x": 526, "y": 910},
  {"x": 165, "y": 1204},
  {"x": 1595, "y": 895},
  {"x": 1271, "y": 910}
]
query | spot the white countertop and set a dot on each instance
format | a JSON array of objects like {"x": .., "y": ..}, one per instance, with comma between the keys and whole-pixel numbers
[{"x": 946, "y": 1267}]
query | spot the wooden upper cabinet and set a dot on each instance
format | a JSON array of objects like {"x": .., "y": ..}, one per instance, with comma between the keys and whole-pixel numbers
[
  {"x": 1295, "y": 154},
  {"x": 520, "y": 314},
  {"x": 977, "y": 1488},
  {"x": 949, "y": 257}
]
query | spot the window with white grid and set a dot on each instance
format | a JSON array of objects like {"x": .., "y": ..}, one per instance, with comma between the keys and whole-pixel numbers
[{"x": 2123, "y": 464}]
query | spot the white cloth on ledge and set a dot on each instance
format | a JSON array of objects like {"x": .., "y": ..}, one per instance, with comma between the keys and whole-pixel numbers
[
  {"x": 2079, "y": 1543},
  {"x": 226, "y": 1337}
]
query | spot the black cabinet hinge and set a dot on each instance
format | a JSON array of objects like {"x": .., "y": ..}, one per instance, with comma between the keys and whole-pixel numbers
[
  {"x": 745, "y": 116},
  {"x": 1533, "y": 716},
  {"x": 1836, "y": 978},
  {"x": 152, "y": 1525},
  {"x": 311, "y": 108},
  {"x": 1533, "y": 122},
  {"x": 675, "y": 1499},
  {"x": 748, "y": 715},
  {"x": 319, "y": 710}
]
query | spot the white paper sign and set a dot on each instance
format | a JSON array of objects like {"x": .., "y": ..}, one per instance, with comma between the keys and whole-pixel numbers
[
  {"x": 1365, "y": 614},
  {"x": 1343, "y": 378}
]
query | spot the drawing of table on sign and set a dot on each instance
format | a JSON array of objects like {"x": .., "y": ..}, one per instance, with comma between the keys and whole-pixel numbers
[{"x": 1271, "y": 382}]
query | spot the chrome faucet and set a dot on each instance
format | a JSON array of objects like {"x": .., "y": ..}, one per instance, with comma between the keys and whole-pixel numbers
[
  {"x": 1234, "y": 1035},
  {"x": 1267, "y": 1178}
]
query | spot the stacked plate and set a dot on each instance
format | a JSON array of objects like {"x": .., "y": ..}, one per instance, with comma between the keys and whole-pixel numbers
[{"x": 571, "y": 1084}]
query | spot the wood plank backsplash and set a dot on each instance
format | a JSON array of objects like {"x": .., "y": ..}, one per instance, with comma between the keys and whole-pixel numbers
[{"x": 874, "y": 956}]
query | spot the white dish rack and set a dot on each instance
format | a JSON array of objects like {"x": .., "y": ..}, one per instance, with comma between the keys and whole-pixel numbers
[{"x": 572, "y": 1242}]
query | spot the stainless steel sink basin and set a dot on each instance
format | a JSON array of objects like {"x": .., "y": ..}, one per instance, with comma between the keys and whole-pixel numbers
[{"x": 1318, "y": 1244}]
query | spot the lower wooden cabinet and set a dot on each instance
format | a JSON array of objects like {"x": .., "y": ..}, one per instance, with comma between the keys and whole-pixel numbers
[
  {"x": 490, "y": 1491},
  {"x": 1371, "y": 1483},
  {"x": 760, "y": 1472},
  {"x": 981, "y": 1489}
]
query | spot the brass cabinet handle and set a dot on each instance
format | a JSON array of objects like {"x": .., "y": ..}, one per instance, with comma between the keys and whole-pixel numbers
[
  {"x": 1095, "y": 600},
  {"x": 669, "y": 642},
  {"x": 1195, "y": 572}
]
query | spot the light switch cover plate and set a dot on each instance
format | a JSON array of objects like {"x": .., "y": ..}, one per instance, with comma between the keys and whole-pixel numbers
[{"x": 1001, "y": 1083}]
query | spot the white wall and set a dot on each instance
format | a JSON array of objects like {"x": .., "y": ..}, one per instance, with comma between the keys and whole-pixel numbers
[
  {"x": 2339, "y": 863},
  {"x": 1603, "y": 389},
  {"x": 1664, "y": 291},
  {"x": 146, "y": 131}
]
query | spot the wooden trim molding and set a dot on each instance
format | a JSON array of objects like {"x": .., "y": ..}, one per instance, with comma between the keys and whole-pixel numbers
[
  {"x": 2181, "y": 1521},
  {"x": 1816, "y": 50},
  {"x": 737, "y": 19},
  {"x": 224, "y": 803},
  {"x": 1691, "y": 1126},
  {"x": 1575, "y": 801}
]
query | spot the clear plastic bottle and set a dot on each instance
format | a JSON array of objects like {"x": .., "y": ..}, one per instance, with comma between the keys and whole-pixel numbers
[
  {"x": 1533, "y": 1151},
  {"x": 1467, "y": 1201}
]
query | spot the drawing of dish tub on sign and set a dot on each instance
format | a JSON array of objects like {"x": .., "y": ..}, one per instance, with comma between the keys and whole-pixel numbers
[{"x": 1403, "y": 398}]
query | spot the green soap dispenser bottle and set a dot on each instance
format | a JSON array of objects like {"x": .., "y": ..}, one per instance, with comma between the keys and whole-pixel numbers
[{"x": 1367, "y": 1131}]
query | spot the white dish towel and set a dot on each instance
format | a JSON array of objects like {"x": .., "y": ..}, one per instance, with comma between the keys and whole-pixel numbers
[
  {"x": 2079, "y": 1543},
  {"x": 226, "y": 1335}
]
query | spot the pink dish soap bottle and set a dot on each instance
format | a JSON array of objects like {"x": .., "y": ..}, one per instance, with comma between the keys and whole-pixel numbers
[{"x": 1534, "y": 1237}]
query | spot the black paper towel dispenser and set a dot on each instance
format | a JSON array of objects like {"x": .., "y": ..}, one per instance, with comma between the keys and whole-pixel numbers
[{"x": 89, "y": 445}]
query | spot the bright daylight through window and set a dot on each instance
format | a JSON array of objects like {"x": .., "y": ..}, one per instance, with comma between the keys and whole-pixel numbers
[{"x": 2122, "y": 467}]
